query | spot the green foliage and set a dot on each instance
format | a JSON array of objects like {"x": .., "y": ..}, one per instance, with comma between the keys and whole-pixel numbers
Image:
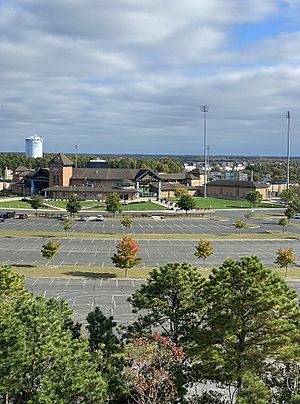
[
  {"x": 254, "y": 391},
  {"x": 101, "y": 332},
  {"x": 283, "y": 222},
  {"x": 254, "y": 198},
  {"x": 126, "y": 222},
  {"x": 290, "y": 212},
  {"x": 36, "y": 202},
  {"x": 204, "y": 250},
  {"x": 73, "y": 205},
  {"x": 40, "y": 360},
  {"x": 126, "y": 256},
  {"x": 172, "y": 297},
  {"x": 186, "y": 202},
  {"x": 49, "y": 249},
  {"x": 179, "y": 192},
  {"x": 239, "y": 224},
  {"x": 113, "y": 203},
  {"x": 67, "y": 225},
  {"x": 250, "y": 319},
  {"x": 285, "y": 257}
]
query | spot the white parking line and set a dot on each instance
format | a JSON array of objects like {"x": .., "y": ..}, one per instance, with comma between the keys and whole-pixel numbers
[{"x": 35, "y": 281}]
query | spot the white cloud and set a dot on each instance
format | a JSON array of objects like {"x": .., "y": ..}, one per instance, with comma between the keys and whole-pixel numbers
[{"x": 129, "y": 75}]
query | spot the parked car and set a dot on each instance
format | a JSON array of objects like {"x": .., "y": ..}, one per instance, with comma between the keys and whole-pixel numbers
[
  {"x": 83, "y": 218},
  {"x": 8, "y": 215},
  {"x": 1, "y": 219},
  {"x": 99, "y": 218},
  {"x": 23, "y": 216},
  {"x": 297, "y": 216},
  {"x": 64, "y": 216}
]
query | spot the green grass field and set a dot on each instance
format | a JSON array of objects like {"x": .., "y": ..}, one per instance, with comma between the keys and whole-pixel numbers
[
  {"x": 135, "y": 206},
  {"x": 15, "y": 205},
  {"x": 216, "y": 203},
  {"x": 112, "y": 272}
]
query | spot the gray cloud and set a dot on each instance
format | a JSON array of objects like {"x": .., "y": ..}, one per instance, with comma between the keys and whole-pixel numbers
[{"x": 129, "y": 76}]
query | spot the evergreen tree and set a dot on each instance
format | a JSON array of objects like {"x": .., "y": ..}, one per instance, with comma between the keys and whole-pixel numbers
[
  {"x": 172, "y": 298},
  {"x": 251, "y": 319},
  {"x": 67, "y": 226}
]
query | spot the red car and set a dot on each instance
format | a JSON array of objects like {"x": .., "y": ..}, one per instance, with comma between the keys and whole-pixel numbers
[{"x": 23, "y": 216}]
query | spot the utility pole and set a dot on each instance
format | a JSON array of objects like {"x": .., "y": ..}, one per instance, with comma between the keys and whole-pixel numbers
[
  {"x": 76, "y": 152},
  {"x": 288, "y": 157},
  {"x": 204, "y": 109}
]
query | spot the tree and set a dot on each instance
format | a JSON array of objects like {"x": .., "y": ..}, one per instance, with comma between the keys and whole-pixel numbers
[
  {"x": 239, "y": 224},
  {"x": 50, "y": 249},
  {"x": 113, "y": 203},
  {"x": 290, "y": 212},
  {"x": 254, "y": 198},
  {"x": 186, "y": 202},
  {"x": 285, "y": 257},
  {"x": 251, "y": 318},
  {"x": 172, "y": 298},
  {"x": 40, "y": 362},
  {"x": 283, "y": 222},
  {"x": 204, "y": 250},
  {"x": 126, "y": 222},
  {"x": 152, "y": 365},
  {"x": 179, "y": 192},
  {"x": 101, "y": 332},
  {"x": 67, "y": 225},
  {"x": 73, "y": 205},
  {"x": 288, "y": 195},
  {"x": 36, "y": 202},
  {"x": 126, "y": 256}
]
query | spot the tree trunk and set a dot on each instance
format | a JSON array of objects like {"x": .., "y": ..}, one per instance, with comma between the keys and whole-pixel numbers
[
  {"x": 204, "y": 259},
  {"x": 286, "y": 268},
  {"x": 126, "y": 271}
]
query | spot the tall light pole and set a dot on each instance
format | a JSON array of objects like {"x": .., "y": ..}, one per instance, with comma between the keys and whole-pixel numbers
[
  {"x": 288, "y": 151},
  {"x": 76, "y": 152},
  {"x": 204, "y": 109}
]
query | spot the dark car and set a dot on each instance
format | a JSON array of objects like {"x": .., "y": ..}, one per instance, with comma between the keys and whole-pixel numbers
[
  {"x": 1, "y": 219},
  {"x": 8, "y": 215},
  {"x": 23, "y": 216}
]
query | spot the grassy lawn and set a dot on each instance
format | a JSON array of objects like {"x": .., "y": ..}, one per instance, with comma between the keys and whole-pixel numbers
[
  {"x": 217, "y": 203},
  {"x": 278, "y": 235},
  {"x": 79, "y": 271},
  {"x": 112, "y": 272},
  {"x": 135, "y": 206},
  {"x": 15, "y": 204}
]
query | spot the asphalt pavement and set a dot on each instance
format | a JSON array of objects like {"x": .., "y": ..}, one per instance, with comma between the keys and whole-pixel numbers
[{"x": 81, "y": 252}]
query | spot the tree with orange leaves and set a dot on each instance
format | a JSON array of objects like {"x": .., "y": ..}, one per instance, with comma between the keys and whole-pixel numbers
[
  {"x": 152, "y": 367},
  {"x": 126, "y": 255}
]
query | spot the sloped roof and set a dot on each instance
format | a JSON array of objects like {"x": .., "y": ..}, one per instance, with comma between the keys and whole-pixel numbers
[
  {"x": 89, "y": 190},
  {"x": 60, "y": 160},
  {"x": 237, "y": 183},
  {"x": 104, "y": 173},
  {"x": 20, "y": 169}
]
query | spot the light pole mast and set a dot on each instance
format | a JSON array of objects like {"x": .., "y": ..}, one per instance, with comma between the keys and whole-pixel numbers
[
  {"x": 204, "y": 109},
  {"x": 76, "y": 152},
  {"x": 288, "y": 115}
]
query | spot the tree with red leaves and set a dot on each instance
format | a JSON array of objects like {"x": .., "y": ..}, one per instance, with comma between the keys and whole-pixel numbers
[
  {"x": 151, "y": 371},
  {"x": 126, "y": 256}
]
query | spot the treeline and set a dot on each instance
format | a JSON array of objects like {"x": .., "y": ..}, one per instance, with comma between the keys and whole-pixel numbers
[
  {"x": 157, "y": 164},
  {"x": 238, "y": 329},
  {"x": 276, "y": 171}
]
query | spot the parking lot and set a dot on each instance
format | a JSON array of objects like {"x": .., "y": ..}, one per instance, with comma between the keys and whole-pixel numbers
[
  {"x": 83, "y": 295},
  {"x": 155, "y": 226},
  {"x": 110, "y": 295},
  {"x": 77, "y": 252}
]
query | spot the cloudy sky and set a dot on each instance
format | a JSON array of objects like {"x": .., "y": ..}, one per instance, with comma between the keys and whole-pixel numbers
[{"x": 129, "y": 76}]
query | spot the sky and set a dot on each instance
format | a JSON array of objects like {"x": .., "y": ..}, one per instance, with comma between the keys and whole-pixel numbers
[{"x": 129, "y": 76}]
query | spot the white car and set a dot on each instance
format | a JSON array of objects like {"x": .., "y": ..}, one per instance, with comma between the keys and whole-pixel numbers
[
  {"x": 83, "y": 218},
  {"x": 99, "y": 218}
]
